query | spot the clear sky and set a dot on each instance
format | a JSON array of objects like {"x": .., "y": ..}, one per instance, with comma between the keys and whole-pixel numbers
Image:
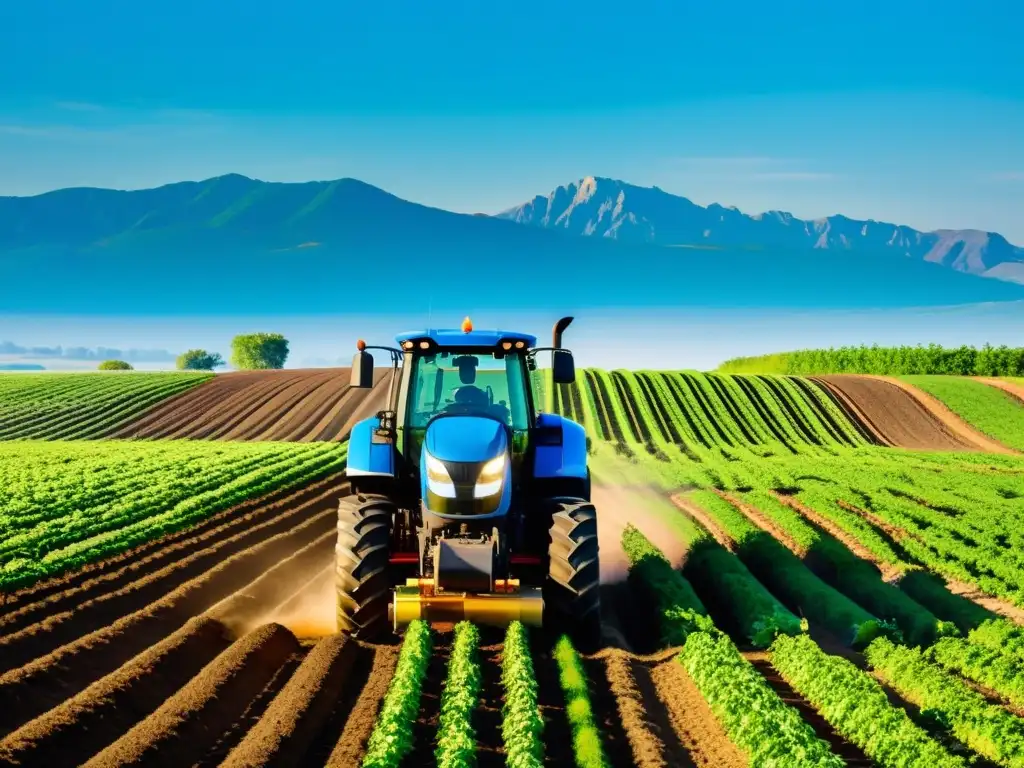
[{"x": 906, "y": 110}]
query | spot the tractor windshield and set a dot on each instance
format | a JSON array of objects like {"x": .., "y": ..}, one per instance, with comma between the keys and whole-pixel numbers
[{"x": 470, "y": 383}]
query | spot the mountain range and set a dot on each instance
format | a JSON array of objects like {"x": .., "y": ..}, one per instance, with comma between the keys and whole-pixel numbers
[
  {"x": 600, "y": 207},
  {"x": 235, "y": 245}
]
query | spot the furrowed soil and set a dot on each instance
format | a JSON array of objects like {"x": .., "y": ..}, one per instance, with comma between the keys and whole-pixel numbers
[
  {"x": 900, "y": 415},
  {"x": 292, "y": 405},
  {"x": 217, "y": 646}
]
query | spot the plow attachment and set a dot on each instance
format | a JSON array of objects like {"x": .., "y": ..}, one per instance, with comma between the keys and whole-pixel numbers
[{"x": 418, "y": 599}]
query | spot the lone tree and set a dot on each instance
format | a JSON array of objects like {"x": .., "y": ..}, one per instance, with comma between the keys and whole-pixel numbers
[
  {"x": 199, "y": 360},
  {"x": 115, "y": 365},
  {"x": 258, "y": 351}
]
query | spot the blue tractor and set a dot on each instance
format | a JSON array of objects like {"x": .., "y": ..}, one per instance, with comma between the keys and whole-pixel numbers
[{"x": 467, "y": 502}]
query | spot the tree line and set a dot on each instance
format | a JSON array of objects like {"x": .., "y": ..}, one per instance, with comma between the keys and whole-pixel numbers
[
  {"x": 896, "y": 361},
  {"x": 249, "y": 352}
]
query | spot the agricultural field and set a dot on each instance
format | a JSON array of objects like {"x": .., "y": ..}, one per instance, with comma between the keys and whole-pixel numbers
[{"x": 818, "y": 571}]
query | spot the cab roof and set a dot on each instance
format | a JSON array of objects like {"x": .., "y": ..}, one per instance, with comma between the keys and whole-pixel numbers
[{"x": 455, "y": 337}]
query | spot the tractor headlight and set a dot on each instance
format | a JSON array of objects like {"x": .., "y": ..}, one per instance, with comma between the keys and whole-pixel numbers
[
  {"x": 491, "y": 476},
  {"x": 438, "y": 479}
]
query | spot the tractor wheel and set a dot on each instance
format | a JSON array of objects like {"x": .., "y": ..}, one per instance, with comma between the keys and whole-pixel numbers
[
  {"x": 361, "y": 559},
  {"x": 572, "y": 597}
]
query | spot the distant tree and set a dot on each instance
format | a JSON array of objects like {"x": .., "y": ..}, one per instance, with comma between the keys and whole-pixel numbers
[
  {"x": 258, "y": 351},
  {"x": 199, "y": 360},
  {"x": 115, "y": 365}
]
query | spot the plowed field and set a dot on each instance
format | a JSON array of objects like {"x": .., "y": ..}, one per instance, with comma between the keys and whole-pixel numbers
[
  {"x": 299, "y": 405},
  {"x": 216, "y": 644},
  {"x": 901, "y": 415}
]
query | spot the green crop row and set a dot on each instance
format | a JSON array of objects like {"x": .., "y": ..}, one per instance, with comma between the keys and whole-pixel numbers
[
  {"x": 522, "y": 726},
  {"x": 66, "y": 504},
  {"x": 586, "y": 738},
  {"x": 857, "y": 707},
  {"x": 392, "y": 737},
  {"x": 999, "y": 635},
  {"x": 789, "y": 578},
  {"x": 988, "y": 729},
  {"x": 993, "y": 411},
  {"x": 456, "y": 740},
  {"x": 66, "y": 406},
  {"x": 754, "y": 717},
  {"x": 994, "y": 669},
  {"x": 932, "y": 359}
]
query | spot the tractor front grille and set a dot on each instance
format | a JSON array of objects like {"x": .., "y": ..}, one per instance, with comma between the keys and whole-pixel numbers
[{"x": 464, "y": 473}]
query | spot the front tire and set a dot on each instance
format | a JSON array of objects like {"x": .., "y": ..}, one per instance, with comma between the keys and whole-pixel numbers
[
  {"x": 572, "y": 593},
  {"x": 362, "y": 568}
]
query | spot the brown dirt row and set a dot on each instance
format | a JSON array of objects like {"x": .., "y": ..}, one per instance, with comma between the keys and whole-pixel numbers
[
  {"x": 95, "y": 718},
  {"x": 350, "y": 746},
  {"x": 292, "y": 405},
  {"x": 212, "y": 578},
  {"x": 189, "y": 723},
  {"x": 70, "y": 668},
  {"x": 903, "y": 416},
  {"x": 164, "y": 560},
  {"x": 293, "y": 720}
]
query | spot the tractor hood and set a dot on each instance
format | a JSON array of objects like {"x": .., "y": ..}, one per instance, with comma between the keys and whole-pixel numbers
[{"x": 465, "y": 438}]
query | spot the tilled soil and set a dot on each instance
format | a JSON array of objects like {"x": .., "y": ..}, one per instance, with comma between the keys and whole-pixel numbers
[
  {"x": 900, "y": 415},
  {"x": 208, "y": 648},
  {"x": 293, "y": 405}
]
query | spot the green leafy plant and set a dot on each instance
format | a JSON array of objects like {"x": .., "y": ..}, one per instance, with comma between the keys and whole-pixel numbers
[
  {"x": 115, "y": 365},
  {"x": 586, "y": 738},
  {"x": 988, "y": 729},
  {"x": 258, "y": 351},
  {"x": 857, "y": 707},
  {"x": 392, "y": 737},
  {"x": 456, "y": 740},
  {"x": 199, "y": 360},
  {"x": 522, "y": 726}
]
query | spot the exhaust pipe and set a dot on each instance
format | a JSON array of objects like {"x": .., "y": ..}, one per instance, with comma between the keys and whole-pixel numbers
[{"x": 558, "y": 330}]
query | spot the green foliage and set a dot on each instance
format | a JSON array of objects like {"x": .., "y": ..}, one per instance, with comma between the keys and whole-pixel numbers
[
  {"x": 857, "y": 707},
  {"x": 680, "y": 611},
  {"x": 586, "y": 738},
  {"x": 63, "y": 505},
  {"x": 858, "y": 579},
  {"x": 258, "y": 351},
  {"x": 68, "y": 406},
  {"x": 755, "y": 718},
  {"x": 199, "y": 360},
  {"x": 115, "y": 365},
  {"x": 790, "y": 580},
  {"x": 1000, "y": 635},
  {"x": 756, "y": 613},
  {"x": 522, "y": 726},
  {"x": 392, "y": 737},
  {"x": 997, "y": 671},
  {"x": 988, "y": 729},
  {"x": 905, "y": 360},
  {"x": 456, "y": 740},
  {"x": 994, "y": 412}
]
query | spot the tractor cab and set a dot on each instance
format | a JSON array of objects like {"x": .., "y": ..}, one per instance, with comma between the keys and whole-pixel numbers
[{"x": 472, "y": 474}]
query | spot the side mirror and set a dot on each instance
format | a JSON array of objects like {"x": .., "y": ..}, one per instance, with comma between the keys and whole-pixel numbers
[
  {"x": 563, "y": 367},
  {"x": 362, "y": 370}
]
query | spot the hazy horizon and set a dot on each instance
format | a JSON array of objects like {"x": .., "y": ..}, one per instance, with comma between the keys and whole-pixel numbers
[{"x": 608, "y": 338}]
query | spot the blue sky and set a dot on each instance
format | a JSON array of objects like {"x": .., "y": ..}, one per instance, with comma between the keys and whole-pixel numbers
[{"x": 906, "y": 110}]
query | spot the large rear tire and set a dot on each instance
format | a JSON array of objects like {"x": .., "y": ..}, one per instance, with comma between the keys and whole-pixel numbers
[
  {"x": 572, "y": 592},
  {"x": 362, "y": 569}
]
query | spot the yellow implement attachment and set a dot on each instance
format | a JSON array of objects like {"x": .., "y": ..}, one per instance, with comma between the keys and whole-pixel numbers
[{"x": 418, "y": 599}]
